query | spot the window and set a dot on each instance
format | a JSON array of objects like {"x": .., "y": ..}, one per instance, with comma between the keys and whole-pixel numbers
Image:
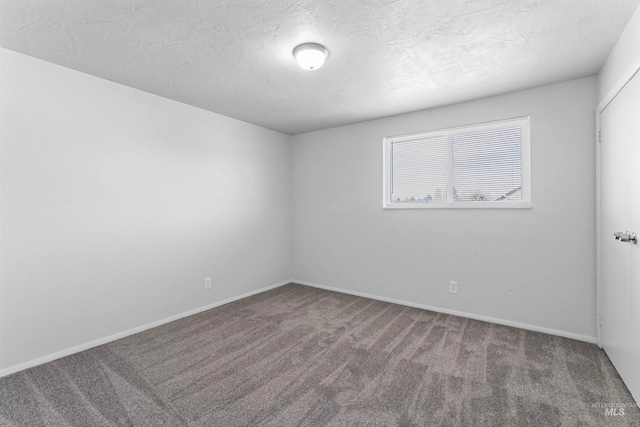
[{"x": 477, "y": 166}]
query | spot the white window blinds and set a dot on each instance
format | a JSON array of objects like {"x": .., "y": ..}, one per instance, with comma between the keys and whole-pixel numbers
[
  {"x": 419, "y": 170},
  {"x": 484, "y": 165},
  {"x": 487, "y": 166}
]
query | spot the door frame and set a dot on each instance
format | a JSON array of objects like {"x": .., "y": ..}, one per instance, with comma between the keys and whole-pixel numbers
[{"x": 604, "y": 103}]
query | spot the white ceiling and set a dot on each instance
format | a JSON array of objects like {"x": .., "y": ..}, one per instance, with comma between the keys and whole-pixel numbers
[{"x": 385, "y": 57}]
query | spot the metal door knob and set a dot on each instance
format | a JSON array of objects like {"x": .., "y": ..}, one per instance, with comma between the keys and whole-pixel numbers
[{"x": 626, "y": 237}]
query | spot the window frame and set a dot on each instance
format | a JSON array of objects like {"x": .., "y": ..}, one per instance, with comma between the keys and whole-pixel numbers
[{"x": 523, "y": 122}]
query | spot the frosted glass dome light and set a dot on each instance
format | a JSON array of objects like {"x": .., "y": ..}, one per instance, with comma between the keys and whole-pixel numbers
[{"x": 310, "y": 56}]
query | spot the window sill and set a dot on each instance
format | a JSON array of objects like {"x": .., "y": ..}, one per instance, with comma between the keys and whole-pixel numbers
[{"x": 522, "y": 205}]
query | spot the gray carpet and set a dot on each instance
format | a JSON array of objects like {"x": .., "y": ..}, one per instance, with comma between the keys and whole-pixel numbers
[{"x": 299, "y": 356}]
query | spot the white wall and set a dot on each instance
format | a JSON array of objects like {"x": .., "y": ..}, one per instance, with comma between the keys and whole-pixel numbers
[
  {"x": 534, "y": 267},
  {"x": 116, "y": 204},
  {"x": 624, "y": 57}
]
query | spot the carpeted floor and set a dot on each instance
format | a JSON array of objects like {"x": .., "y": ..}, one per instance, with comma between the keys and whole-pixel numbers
[{"x": 299, "y": 356}]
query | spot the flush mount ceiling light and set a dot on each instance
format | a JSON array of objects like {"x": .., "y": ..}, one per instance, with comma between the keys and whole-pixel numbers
[{"x": 310, "y": 56}]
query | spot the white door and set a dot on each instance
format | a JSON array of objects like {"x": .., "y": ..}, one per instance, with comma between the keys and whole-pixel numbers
[{"x": 620, "y": 212}]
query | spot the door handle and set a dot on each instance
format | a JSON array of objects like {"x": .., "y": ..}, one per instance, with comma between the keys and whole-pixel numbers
[{"x": 626, "y": 237}]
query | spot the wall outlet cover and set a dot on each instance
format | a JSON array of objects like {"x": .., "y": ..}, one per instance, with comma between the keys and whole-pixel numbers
[{"x": 453, "y": 287}]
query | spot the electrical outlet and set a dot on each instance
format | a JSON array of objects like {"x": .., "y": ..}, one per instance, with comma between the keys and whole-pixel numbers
[
  {"x": 453, "y": 287},
  {"x": 207, "y": 283}
]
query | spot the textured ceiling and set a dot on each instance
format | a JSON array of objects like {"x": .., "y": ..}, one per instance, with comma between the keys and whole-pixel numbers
[{"x": 385, "y": 57}]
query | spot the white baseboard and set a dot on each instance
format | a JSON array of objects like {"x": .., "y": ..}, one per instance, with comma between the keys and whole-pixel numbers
[
  {"x": 59, "y": 354},
  {"x": 559, "y": 333}
]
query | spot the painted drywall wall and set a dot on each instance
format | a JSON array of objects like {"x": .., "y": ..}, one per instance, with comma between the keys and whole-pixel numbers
[
  {"x": 116, "y": 204},
  {"x": 533, "y": 267},
  {"x": 624, "y": 57}
]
